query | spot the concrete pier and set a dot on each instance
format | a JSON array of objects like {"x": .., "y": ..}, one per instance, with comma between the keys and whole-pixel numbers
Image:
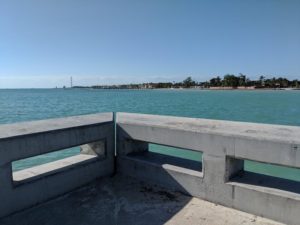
[
  {"x": 219, "y": 178},
  {"x": 127, "y": 201}
]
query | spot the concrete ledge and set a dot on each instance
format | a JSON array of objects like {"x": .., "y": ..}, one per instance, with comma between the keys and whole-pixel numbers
[
  {"x": 267, "y": 184},
  {"x": 280, "y": 197},
  {"x": 268, "y": 205},
  {"x": 176, "y": 163},
  {"x": 173, "y": 177},
  {"x": 42, "y": 126},
  {"x": 38, "y": 172},
  {"x": 265, "y": 132}
]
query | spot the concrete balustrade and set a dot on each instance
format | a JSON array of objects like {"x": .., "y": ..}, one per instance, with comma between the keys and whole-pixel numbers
[
  {"x": 224, "y": 145},
  {"x": 219, "y": 178},
  {"x": 25, "y": 188}
]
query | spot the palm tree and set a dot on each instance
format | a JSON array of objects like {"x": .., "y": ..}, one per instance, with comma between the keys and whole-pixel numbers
[{"x": 262, "y": 80}]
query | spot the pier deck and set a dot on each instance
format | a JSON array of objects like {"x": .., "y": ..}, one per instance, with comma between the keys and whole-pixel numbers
[{"x": 123, "y": 200}]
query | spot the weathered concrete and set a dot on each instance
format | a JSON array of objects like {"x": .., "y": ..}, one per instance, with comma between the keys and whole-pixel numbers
[
  {"x": 23, "y": 140},
  {"x": 28, "y": 187},
  {"x": 224, "y": 145},
  {"x": 127, "y": 201},
  {"x": 273, "y": 143},
  {"x": 219, "y": 178}
]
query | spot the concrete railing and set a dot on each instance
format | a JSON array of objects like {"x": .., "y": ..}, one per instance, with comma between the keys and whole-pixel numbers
[
  {"x": 25, "y": 188},
  {"x": 219, "y": 178},
  {"x": 225, "y": 145}
]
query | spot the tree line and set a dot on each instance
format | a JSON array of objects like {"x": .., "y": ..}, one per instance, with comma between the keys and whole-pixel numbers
[
  {"x": 228, "y": 80},
  {"x": 231, "y": 80}
]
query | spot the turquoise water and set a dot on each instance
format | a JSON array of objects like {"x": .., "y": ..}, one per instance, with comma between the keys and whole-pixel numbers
[
  {"x": 277, "y": 107},
  {"x": 274, "y": 107}
]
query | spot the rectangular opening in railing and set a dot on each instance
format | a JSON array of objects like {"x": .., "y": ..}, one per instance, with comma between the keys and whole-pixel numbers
[
  {"x": 258, "y": 174},
  {"x": 165, "y": 155},
  {"x": 35, "y": 167},
  {"x": 44, "y": 158}
]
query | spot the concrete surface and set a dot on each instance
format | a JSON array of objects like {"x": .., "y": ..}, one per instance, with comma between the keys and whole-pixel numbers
[
  {"x": 37, "y": 172},
  {"x": 23, "y": 189},
  {"x": 222, "y": 127},
  {"x": 225, "y": 144},
  {"x": 127, "y": 201},
  {"x": 41, "y": 126},
  {"x": 261, "y": 142},
  {"x": 23, "y": 140}
]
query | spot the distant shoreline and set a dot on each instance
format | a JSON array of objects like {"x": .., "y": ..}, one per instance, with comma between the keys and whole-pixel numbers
[
  {"x": 229, "y": 82},
  {"x": 198, "y": 89},
  {"x": 175, "y": 89}
]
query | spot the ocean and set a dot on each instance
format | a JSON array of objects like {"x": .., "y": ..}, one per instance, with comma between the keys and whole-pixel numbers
[{"x": 272, "y": 107}]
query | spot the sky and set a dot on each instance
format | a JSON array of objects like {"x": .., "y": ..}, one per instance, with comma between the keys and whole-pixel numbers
[{"x": 44, "y": 43}]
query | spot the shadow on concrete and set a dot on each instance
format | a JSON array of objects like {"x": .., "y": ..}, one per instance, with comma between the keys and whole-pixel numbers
[
  {"x": 162, "y": 159},
  {"x": 122, "y": 199},
  {"x": 117, "y": 200},
  {"x": 268, "y": 182}
]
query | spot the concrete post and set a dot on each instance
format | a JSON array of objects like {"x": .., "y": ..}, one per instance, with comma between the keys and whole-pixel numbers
[{"x": 234, "y": 167}]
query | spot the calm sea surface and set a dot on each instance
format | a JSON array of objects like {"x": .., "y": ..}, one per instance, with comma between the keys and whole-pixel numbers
[{"x": 274, "y": 107}]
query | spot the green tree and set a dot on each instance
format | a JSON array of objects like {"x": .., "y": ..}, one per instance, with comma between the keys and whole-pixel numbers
[
  {"x": 215, "y": 82},
  {"x": 230, "y": 80},
  {"x": 188, "y": 82}
]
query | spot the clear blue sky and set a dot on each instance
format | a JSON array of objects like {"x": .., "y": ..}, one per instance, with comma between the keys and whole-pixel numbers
[{"x": 43, "y": 43}]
